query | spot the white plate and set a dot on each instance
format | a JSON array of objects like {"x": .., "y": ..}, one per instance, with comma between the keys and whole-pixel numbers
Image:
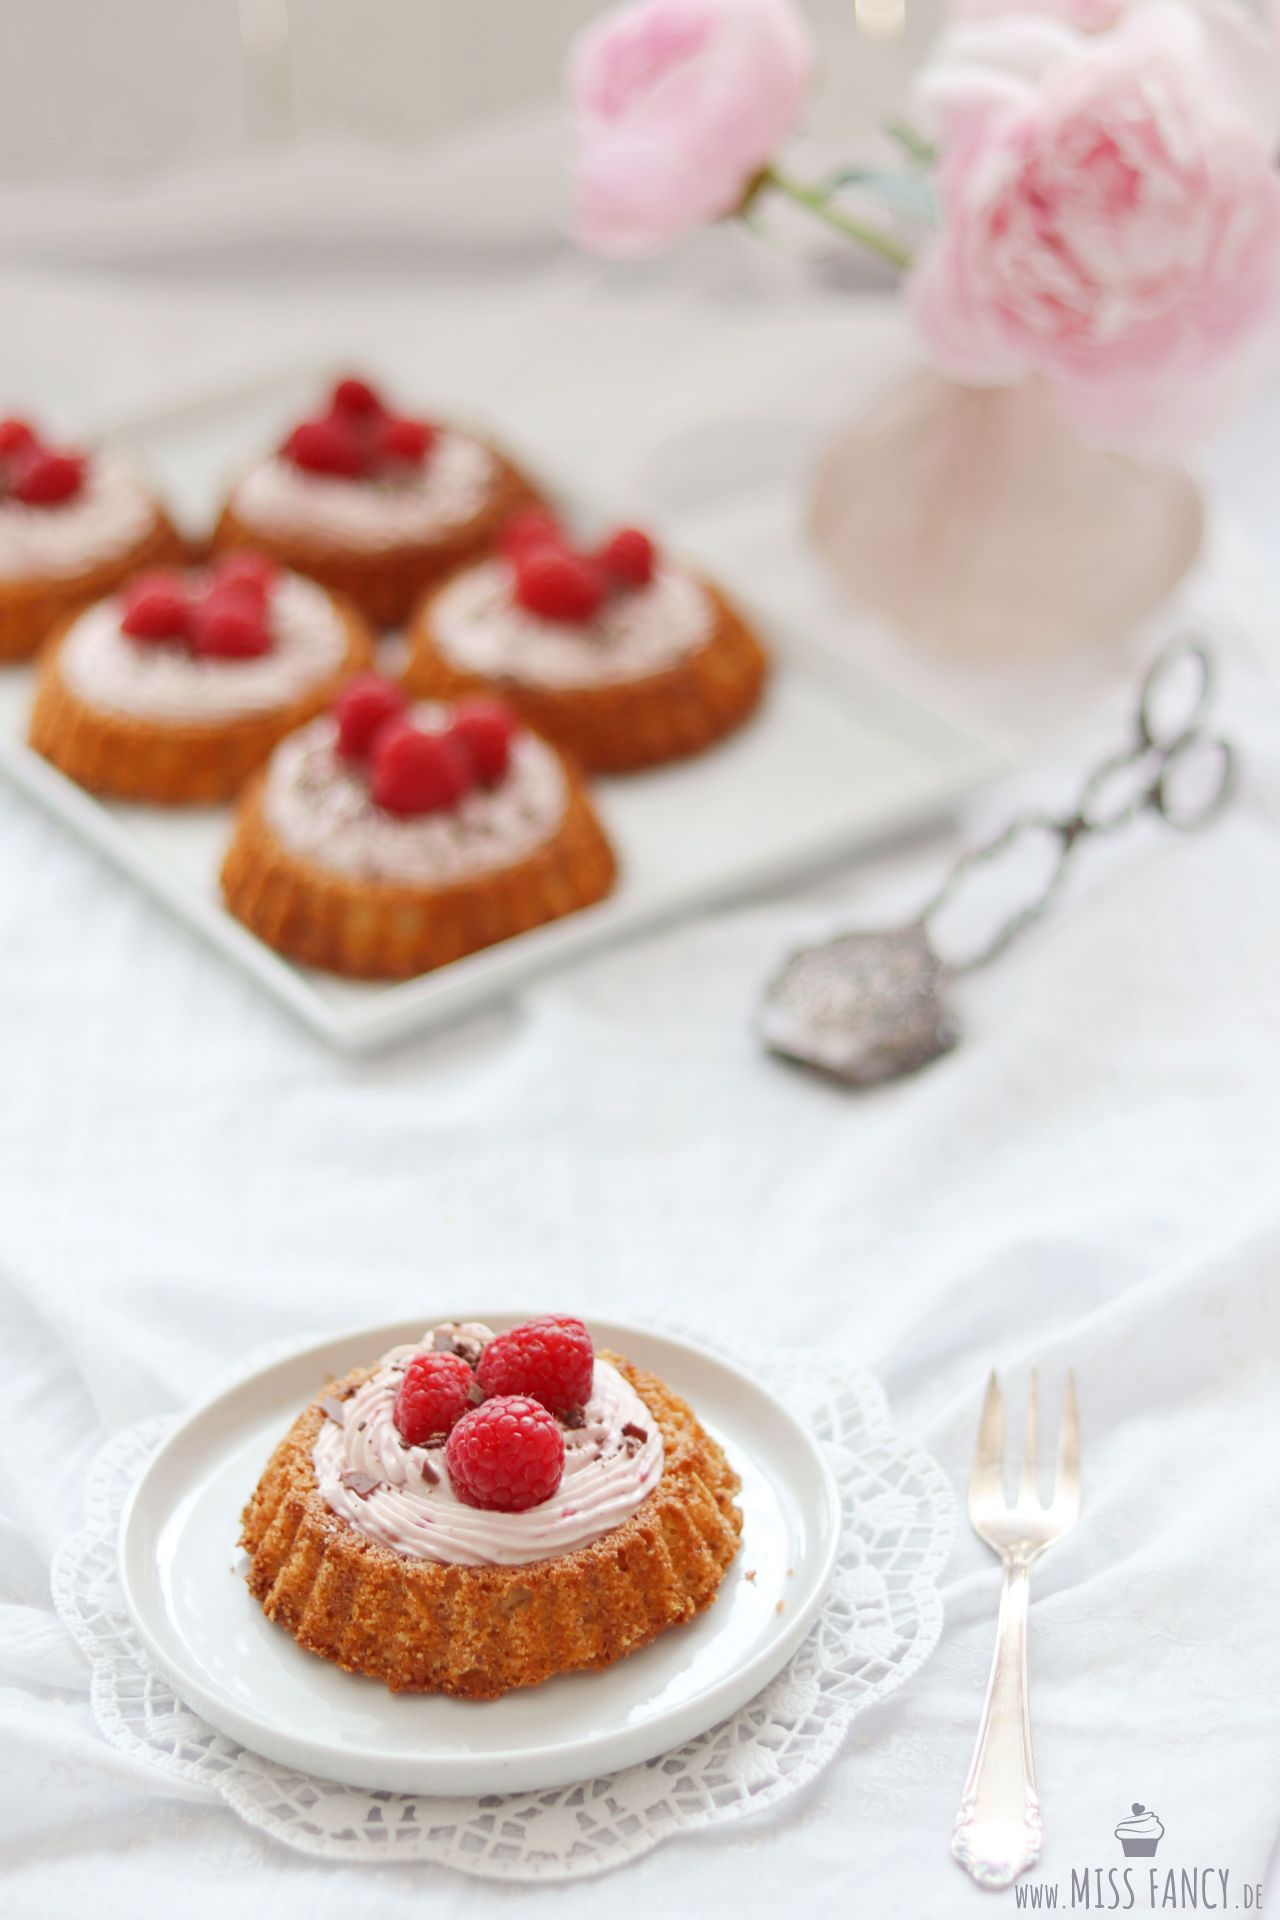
[
  {"x": 180, "y": 1573},
  {"x": 837, "y": 761}
]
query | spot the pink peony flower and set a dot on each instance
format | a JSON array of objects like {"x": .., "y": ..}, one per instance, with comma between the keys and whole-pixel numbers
[
  {"x": 677, "y": 105},
  {"x": 1111, "y": 213}
]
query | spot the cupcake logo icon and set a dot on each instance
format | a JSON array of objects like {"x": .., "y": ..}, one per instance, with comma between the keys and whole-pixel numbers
[{"x": 1140, "y": 1832}]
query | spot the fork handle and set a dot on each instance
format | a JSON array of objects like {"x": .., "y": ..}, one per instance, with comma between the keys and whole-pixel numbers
[{"x": 997, "y": 1832}]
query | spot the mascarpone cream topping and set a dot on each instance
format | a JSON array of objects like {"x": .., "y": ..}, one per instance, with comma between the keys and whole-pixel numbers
[
  {"x": 112, "y": 512},
  {"x": 107, "y": 669},
  {"x": 321, "y": 808},
  {"x": 413, "y": 1509},
  {"x": 457, "y": 477},
  {"x": 478, "y": 626}
]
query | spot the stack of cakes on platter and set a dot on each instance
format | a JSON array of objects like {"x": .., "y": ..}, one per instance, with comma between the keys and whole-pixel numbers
[{"x": 384, "y": 826}]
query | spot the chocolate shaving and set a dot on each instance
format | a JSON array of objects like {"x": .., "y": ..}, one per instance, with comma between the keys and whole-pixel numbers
[
  {"x": 444, "y": 1340},
  {"x": 430, "y": 1474},
  {"x": 361, "y": 1425},
  {"x": 476, "y": 1393},
  {"x": 573, "y": 1418},
  {"x": 333, "y": 1409},
  {"x": 357, "y": 1481},
  {"x": 633, "y": 1432}
]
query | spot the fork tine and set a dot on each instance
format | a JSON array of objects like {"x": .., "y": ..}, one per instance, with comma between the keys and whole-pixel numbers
[
  {"x": 988, "y": 1460},
  {"x": 1029, "y": 1483},
  {"x": 1066, "y": 1486}
]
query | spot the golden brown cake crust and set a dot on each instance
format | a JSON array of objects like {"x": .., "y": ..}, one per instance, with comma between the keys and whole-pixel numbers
[
  {"x": 623, "y": 726},
  {"x": 386, "y": 585},
  {"x": 30, "y": 609},
  {"x": 480, "y": 1631},
  {"x": 377, "y": 930},
  {"x": 173, "y": 763}
]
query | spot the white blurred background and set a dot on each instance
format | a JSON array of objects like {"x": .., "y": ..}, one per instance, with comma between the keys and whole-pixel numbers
[{"x": 123, "y": 87}]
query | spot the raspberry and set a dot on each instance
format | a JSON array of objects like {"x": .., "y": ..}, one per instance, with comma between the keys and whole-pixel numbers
[
  {"x": 16, "y": 436},
  {"x": 354, "y": 396},
  {"x": 48, "y": 479},
  {"x": 229, "y": 625},
  {"x": 405, "y": 441},
  {"x": 156, "y": 607},
  {"x": 364, "y": 706},
  {"x": 433, "y": 1396},
  {"x": 532, "y": 527},
  {"x": 551, "y": 1359},
  {"x": 628, "y": 557},
  {"x": 418, "y": 772},
  {"x": 248, "y": 573},
  {"x": 557, "y": 584},
  {"x": 507, "y": 1455},
  {"x": 326, "y": 446},
  {"x": 485, "y": 728}
]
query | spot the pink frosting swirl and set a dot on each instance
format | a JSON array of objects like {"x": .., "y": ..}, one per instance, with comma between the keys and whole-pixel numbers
[
  {"x": 321, "y": 808},
  {"x": 411, "y": 1507},
  {"x": 112, "y": 512},
  {"x": 104, "y": 667},
  {"x": 479, "y": 627},
  {"x": 454, "y": 485}
]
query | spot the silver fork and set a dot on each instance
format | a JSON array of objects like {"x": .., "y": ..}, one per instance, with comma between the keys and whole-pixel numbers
[{"x": 997, "y": 1832}]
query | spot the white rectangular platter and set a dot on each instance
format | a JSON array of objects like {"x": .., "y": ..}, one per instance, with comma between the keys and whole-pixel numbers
[{"x": 836, "y": 763}]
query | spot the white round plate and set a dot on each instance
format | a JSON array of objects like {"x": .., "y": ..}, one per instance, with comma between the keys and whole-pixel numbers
[{"x": 181, "y": 1574}]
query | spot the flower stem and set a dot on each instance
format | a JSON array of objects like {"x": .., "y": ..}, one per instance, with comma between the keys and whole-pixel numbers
[
  {"x": 913, "y": 144},
  {"x": 819, "y": 202}
]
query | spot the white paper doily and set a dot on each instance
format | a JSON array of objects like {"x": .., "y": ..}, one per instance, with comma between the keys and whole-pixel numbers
[{"x": 880, "y": 1622}]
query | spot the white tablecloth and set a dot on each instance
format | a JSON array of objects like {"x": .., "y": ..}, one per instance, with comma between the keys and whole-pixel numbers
[{"x": 1090, "y": 1180}]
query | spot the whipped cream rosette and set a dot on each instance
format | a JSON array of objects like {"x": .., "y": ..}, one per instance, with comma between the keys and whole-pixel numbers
[
  {"x": 108, "y": 512},
  {"x": 426, "y": 500},
  {"x": 320, "y": 806},
  {"x": 304, "y": 645},
  {"x": 481, "y": 628},
  {"x": 613, "y": 1457}
]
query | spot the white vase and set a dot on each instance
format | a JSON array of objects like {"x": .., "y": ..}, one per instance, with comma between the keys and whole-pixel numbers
[{"x": 974, "y": 519}]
